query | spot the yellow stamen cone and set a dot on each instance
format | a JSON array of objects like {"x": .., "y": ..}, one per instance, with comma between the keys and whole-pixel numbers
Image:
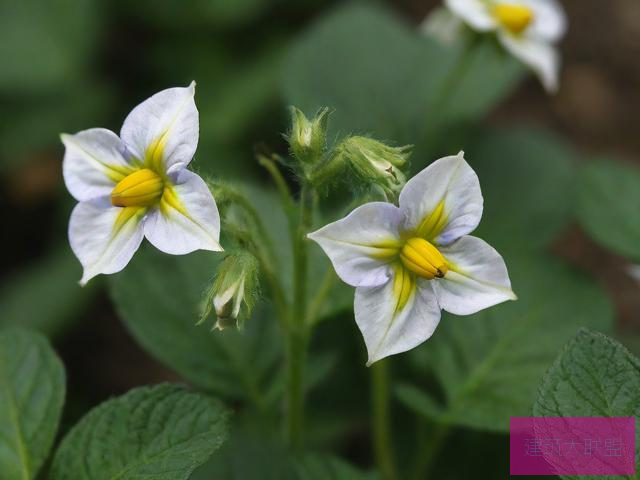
[{"x": 142, "y": 188}]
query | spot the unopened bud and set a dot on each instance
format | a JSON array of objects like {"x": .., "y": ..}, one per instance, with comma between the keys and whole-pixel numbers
[
  {"x": 307, "y": 138},
  {"x": 234, "y": 290},
  {"x": 373, "y": 162}
]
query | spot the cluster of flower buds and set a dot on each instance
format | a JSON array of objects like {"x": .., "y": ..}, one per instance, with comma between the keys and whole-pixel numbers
[
  {"x": 234, "y": 291},
  {"x": 367, "y": 162}
]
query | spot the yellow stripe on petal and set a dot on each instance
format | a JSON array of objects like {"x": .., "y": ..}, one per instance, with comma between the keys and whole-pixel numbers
[
  {"x": 170, "y": 200},
  {"x": 125, "y": 215},
  {"x": 154, "y": 156},
  {"x": 432, "y": 225},
  {"x": 403, "y": 287}
]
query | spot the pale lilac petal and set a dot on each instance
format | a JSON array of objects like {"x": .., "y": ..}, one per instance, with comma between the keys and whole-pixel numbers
[
  {"x": 477, "y": 278},
  {"x": 168, "y": 121},
  {"x": 104, "y": 238},
  {"x": 387, "y": 331},
  {"x": 94, "y": 161},
  {"x": 362, "y": 244},
  {"x": 453, "y": 182},
  {"x": 188, "y": 224},
  {"x": 474, "y": 13}
]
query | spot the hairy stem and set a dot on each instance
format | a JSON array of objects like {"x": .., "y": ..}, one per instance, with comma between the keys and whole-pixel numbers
[
  {"x": 382, "y": 447},
  {"x": 297, "y": 328}
]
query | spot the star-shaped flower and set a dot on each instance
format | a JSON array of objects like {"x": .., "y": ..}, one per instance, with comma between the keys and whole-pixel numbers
[
  {"x": 408, "y": 262},
  {"x": 528, "y": 29},
  {"x": 137, "y": 185}
]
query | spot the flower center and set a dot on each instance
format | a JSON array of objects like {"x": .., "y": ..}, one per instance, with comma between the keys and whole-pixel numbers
[
  {"x": 142, "y": 188},
  {"x": 515, "y": 18},
  {"x": 422, "y": 258}
]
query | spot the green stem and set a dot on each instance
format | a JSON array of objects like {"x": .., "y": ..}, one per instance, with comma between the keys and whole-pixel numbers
[
  {"x": 451, "y": 81},
  {"x": 381, "y": 422},
  {"x": 427, "y": 454},
  {"x": 281, "y": 184},
  {"x": 297, "y": 331},
  {"x": 316, "y": 303}
]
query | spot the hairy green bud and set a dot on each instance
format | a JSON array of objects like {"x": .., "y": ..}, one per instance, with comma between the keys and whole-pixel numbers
[
  {"x": 234, "y": 291},
  {"x": 374, "y": 162},
  {"x": 307, "y": 138}
]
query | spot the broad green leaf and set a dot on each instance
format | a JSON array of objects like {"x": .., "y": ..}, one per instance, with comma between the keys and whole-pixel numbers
[
  {"x": 385, "y": 78},
  {"x": 527, "y": 183},
  {"x": 490, "y": 363},
  {"x": 162, "y": 432},
  {"x": 594, "y": 376},
  {"x": 158, "y": 297},
  {"x": 45, "y": 296},
  {"x": 326, "y": 467},
  {"x": 608, "y": 206},
  {"x": 45, "y": 44},
  {"x": 270, "y": 460},
  {"x": 32, "y": 390},
  {"x": 418, "y": 401}
]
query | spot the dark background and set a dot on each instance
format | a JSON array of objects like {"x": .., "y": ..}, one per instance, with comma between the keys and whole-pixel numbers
[{"x": 75, "y": 65}]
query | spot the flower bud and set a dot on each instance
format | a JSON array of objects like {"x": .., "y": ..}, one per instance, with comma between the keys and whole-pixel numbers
[
  {"x": 234, "y": 290},
  {"x": 374, "y": 162},
  {"x": 307, "y": 139}
]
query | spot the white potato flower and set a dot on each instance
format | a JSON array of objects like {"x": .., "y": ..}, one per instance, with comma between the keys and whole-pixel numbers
[
  {"x": 409, "y": 262},
  {"x": 137, "y": 185},
  {"x": 528, "y": 29}
]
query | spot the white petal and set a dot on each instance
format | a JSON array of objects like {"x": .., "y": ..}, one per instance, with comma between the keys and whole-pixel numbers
[
  {"x": 549, "y": 20},
  {"x": 474, "y": 13},
  {"x": 478, "y": 278},
  {"x": 359, "y": 245},
  {"x": 387, "y": 331},
  {"x": 170, "y": 115},
  {"x": 449, "y": 180},
  {"x": 94, "y": 161},
  {"x": 442, "y": 25},
  {"x": 193, "y": 223},
  {"x": 104, "y": 238},
  {"x": 538, "y": 55}
]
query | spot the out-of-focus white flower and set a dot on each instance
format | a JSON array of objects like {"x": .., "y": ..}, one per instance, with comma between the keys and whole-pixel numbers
[
  {"x": 528, "y": 29},
  {"x": 137, "y": 185},
  {"x": 634, "y": 271},
  {"x": 409, "y": 262}
]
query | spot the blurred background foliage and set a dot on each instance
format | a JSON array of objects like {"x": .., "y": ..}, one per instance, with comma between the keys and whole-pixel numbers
[{"x": 563, "y": 207}]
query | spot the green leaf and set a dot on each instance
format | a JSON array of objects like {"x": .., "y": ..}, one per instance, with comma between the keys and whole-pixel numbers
[
  {"x": 159, "y": 432},
  {"x": 32, "y": 390},
  {"x": 45, "y": 296},
  {"x": 327, "y": 467},
  {"x": 270, "y": 460},
  {"x": 385, "y": 78},
  {"x": 594, "y": 376},
  {"x": 490, "y": 363},
  {"x": 608, "y": 206},
  {"x": 158, "y": 297},
  {"x": 418, "y": 401},
  {"x": 526, "y": 177}
]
